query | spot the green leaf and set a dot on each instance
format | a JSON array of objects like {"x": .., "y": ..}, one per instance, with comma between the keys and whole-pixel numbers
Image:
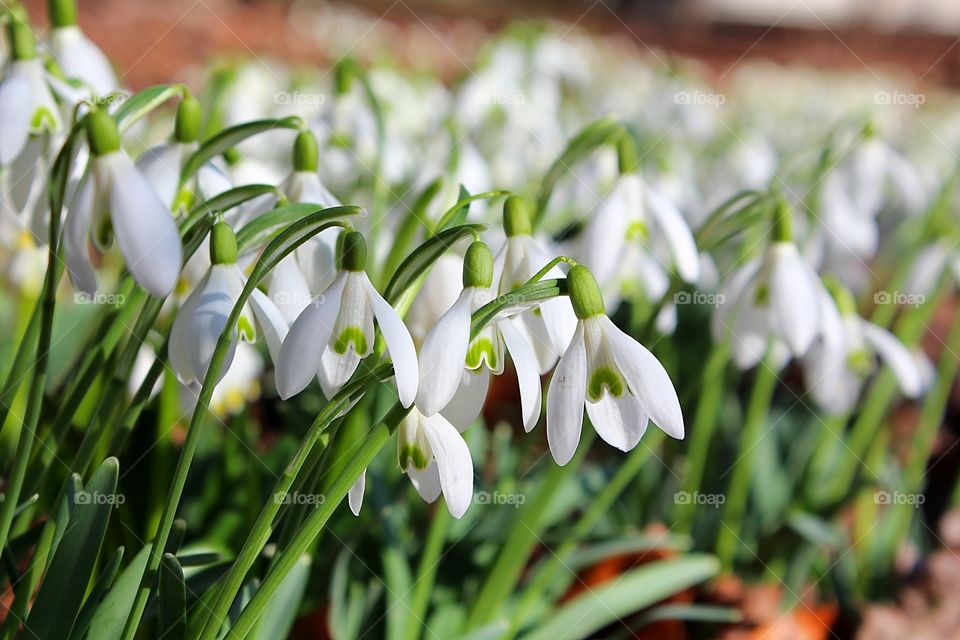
[
  {"x": 423, "y": 257},
  {"x": 61, "y": 593},
  {"x": 635, "y": 590},
  {"x": 399, "y": 581},
  {"x": 457, "y": 214},
  {"x": 280, "y": 614},
  {"x": 227, "y": 200},
  {"x": 143, "y": 102},
  {"x": 173, "y": 599},
  {"x": 231, "y": 137},
  {"x": 112, "y": 613},
  {"x": 265, "y": 227},
  {"x": 97, "y": 594},
  {"x": 692, "y": 612}
]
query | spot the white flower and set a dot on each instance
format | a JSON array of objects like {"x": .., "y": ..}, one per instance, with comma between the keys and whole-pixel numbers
[
  {"x": 619, "y": 381},
  {"x": 26, "y": 106},
  {"x": 547, "y": 328},
  {"x": 115, "y": 199},
  {"x": 203, "y": 316},
  {"x": 80, "y": 58},
  {"x": 335, "y": 332},
  {"x": 775, "y": 296},
  {"x": 455, "y": 370},
  {"x": 837, "y": 363}
]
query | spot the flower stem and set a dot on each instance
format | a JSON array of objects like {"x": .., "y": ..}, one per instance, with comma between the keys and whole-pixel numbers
[{"x": 427, "y": 572}]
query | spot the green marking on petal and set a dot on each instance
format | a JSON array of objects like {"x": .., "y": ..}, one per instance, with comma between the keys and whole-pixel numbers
[
  {"x": 350, "y": 335},
  {"x": 412, "y": 454},
  {"x": 860, "y": 361},
  {"x": 480, "y": 348},
  {"x": 183, "y": 200},
  {"x": 762, "y": 298},
  {"x": 104, "y": 232},
  {"x": 246, "y": 329},
  {"x": 637, "y": 230},
  {"x": 605, "y": 377},
  {"x": 43, "y": 120}
]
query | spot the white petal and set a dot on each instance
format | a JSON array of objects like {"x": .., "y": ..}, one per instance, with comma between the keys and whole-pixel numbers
[
  {"x": 82, "y": 59},
  {"x": 454, "y": 463},
  {"x": 399, "y": 345},
  {"x": 146, "y": 232},
  {"x": 76, "y": 238},
  {"x": 355, "y": 313},
  {"x": 160, "y": 165},
  {"x": 177, "y": 348},
  {"x": 621, "y": 421},
  {"x": 794, "y": 302},
  {"x": 528, "y": 373},
  {"x": 271, "y": 321},
  {"x": 467, "y": 403},
  {"x": 565, "y": 400},
  {"x": 897, "y": 357},
  {"x": 288, "y": 289},
  {"x": 678, "y": 236},
  {"x": 16, "y": 105},
  {"x": 442, "y": 355},
  {"x": 301, "y": 351},
  {"x": 647, "y": 379},
  {"x": 426, "y": 481},
  {"x": 208, "y": 318},
  {"x": 355, "y": 496}
]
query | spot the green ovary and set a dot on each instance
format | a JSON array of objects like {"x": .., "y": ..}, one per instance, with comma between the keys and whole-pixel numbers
[
  {"x": 348, "y": 335},
  {"x": 481, "y": 347},
  {"x": 604, "y": 377}
]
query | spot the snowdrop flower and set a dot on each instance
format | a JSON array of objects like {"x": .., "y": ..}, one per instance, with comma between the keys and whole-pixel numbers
[
  {"x": 838, "y": 362},
  {"x": 335, "y": 332},
  {"x": 435, "y": 457},
  {"x": 775, "y": 296},
  {"x": 634, "y": 218},
  {"x": 76, "y": 55},
  {"x": 27, "y": 106},
  {"x": 619, "y": 381},
  {"x": 203, "y": 317},
  {"x": 547, "y": 328},
  {"x": 161, "y": 165},
  {"x": 455, "y": 370},
  {"x": 115, "y": 199}
]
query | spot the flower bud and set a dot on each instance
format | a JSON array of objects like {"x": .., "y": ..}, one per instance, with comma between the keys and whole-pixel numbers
[
  {"x": 305, "y": 152},
  {"x": 63, "y": 13},
  {"x": 187, "y": 126},
  {"x": 584, "y": 292},
  {"x": 102, "y": 134},
  {"x": 353, "y": 251},
  {"x": 478, "y": 266},
  {"x": 516, "y": 220},
  {"x": 223, "y": 244}
]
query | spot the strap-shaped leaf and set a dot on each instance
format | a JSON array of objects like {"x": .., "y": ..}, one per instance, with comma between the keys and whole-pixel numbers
[
  {"x": 231, "y": 137},
  {"x": 226, "y": 201},
  {"x": 265, "y": 227},
  {"x": 457, "y": 214},
  {"x": 100, "y": 589},
  {"x": 423, "y": 257},
  {"x": 61, "y": 593},
  {"x": 143, "y": 102},
  {"x": 281, "y": 613},
  {"x": 173, "y": 599}
]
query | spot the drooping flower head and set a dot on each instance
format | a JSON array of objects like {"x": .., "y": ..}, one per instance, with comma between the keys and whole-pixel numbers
[
  {"x": 76, "y": 55},
  {"x": 621, "y": 384},
  {"x": 335, "y": 332},
  {"x": 114, "y": 200}
]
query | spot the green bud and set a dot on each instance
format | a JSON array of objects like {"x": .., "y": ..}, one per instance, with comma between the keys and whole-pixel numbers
[
  {"x": 23, "y": 46},
  {"x": 352, "y": 251},
  {"x": 102, "y": 134},
  {"x": 516, "y": 220},
  {"x": 846, "y": 303},
  {"x": 782, "y": 223},
  {"x": 305, "y": 152},
  {"x": 584, "y": 292},
  {"x": 63, "y": 13},
  {"x": 187, "y": 126},
  {"x": 223, "y": 244},
  {"x": 478, "y": 266},
  {"x": 626, "y": 153}
]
